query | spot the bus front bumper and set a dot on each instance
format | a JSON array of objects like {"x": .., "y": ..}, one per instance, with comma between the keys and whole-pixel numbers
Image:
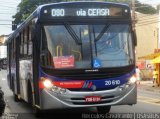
[{"x": 121, "y": 95}]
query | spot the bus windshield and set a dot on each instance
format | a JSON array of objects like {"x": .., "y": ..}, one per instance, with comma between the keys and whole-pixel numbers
[{"x": 86, "y": 46}]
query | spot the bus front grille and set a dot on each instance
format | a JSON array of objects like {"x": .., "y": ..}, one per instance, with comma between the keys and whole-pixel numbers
[
  {"x": 91, "y": 103},
  {"x": 81, "y": 101}
]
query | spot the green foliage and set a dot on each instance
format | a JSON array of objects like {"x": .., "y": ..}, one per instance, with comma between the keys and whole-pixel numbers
[
  {"x": 145, "y": 8},
  {"x": 28, "y": 6}
]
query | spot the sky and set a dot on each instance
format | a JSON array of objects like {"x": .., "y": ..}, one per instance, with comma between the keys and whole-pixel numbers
[{"x": 8, "y": 8}]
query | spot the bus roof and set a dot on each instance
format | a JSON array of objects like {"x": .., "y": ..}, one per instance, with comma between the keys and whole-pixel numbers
[
  {"x": 86, "y": 2},
  {"x": 36, "y": 13}
]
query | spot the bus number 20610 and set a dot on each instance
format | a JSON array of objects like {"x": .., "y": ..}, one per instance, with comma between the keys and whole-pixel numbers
[{"x": 112, "y": 82}]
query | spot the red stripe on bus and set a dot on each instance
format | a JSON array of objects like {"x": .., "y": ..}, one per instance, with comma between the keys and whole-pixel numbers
[
  {"x": 90, "y": 84},
  {"x": 41, "y": 86},
  {"x": 69, "y": 84}
]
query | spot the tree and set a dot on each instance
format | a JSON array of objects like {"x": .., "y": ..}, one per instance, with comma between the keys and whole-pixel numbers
[
  {"x": 28, "y": 6},
  {"x": 145, "y": 8}
]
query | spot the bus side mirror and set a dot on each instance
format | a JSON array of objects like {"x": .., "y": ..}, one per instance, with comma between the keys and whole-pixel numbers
[
  {"x": 14, "y": 26},
  {"x": 134, "y": 37}
]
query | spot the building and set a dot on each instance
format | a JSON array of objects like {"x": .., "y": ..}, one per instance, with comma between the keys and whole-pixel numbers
[
  {"x": 147, "y": 42},
  {"x": 3, "y": 48},
  {"x": 3, "y": 38},
  {"x": 3, "y": 52},
  {"x": 147, "y": 34},
  {"x": 148, "y": 48}
]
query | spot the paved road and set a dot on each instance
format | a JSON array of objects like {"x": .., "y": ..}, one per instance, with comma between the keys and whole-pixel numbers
[{"x": 148, "y": 102}]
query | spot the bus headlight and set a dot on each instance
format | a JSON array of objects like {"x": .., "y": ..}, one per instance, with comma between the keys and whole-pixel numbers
[
  {"x": 47, "y": 83},
  {"x": 58, "y": 90},
  {"x": 132, "y": 80}
]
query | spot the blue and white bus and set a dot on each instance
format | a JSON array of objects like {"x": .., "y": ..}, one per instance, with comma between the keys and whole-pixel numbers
[{"x": 72, "y": 55}]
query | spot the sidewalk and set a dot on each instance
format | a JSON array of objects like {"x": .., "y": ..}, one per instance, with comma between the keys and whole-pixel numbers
[{"x": 147, "y": 85}]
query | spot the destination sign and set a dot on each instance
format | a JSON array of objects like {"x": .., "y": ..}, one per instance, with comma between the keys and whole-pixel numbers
[
  {"x": 81, "y": 12},
  {"x": 85, "y": 12}
]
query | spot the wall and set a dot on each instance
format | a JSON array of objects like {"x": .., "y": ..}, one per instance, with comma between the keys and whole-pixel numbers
[
  {"x": 147, "y": 40},
  {"x": 147, "y": 34}
]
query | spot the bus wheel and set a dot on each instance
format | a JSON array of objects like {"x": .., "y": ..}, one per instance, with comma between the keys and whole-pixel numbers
[
  {"x": 103, "y": 109},
  {"x": 16, "y": 99},
  {"x": 37, "y": 112}
]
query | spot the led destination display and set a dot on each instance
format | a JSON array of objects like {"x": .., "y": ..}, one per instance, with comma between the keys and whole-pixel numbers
[
  {"x": 80, "y": 12},
  {"x": 85, "y": 11}
]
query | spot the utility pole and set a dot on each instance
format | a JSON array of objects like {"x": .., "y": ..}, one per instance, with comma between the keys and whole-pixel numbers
[{"x": 133, "y": 14}]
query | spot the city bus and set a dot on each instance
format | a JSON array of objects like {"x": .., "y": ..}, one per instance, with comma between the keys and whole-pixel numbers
[{"x": 74, "y": 55}]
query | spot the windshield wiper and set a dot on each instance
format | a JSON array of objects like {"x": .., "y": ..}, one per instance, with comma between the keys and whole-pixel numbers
[
  {"x": 73, "y": 34},
  {"x": 102, "y": 32}
]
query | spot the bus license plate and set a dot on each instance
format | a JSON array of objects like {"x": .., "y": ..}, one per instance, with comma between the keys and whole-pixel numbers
[{"x": 93, "y": 99}]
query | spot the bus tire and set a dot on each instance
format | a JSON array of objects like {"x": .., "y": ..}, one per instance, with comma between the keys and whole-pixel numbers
[
  {"x": 15, "y": 96},
  {"x": 30, "y": 98},
  {"x": 104, "y": 109},
  {"x": 16, "y": 99},
  {"x": 38, "y": 113}
]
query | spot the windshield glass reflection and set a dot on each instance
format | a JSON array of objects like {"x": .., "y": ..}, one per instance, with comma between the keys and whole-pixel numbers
[{"x": 85, "y": 46}]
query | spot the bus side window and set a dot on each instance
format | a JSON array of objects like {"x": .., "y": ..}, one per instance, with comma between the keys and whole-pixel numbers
[
  {"x": 14, "y": 48},
  {"x": 46, "y": 58},
  {"x": 30, "y": 44},
  {"x": 21, "y": 46},
  {"x": 12, "y": 51},
  {"x": 25, "y": 41}
]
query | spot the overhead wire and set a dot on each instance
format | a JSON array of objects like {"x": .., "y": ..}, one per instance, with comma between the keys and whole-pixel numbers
[
  {"x": 146, "y": 15},
  {"x": 141, "y": 21},
  {"x": 5, "y": 20},
  {"x": 145, "y": 20},
  {"x": 6, "y": 13},
  {"x": 5, "y": 24},
  {"x": 12, "y": 1},
  {"x": 8, "y": 7},
  {"x": 148, "y": 23}
]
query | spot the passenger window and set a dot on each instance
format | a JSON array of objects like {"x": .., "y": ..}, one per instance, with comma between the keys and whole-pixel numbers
[
  {"x": 25, "y": 42},
  {"x": 30, "y": 44},
  {"x": 21, "y": 46}
]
